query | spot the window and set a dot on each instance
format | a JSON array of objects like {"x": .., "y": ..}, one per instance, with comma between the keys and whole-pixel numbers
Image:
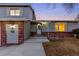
[
  {"x": 15, "y": 12},
  {"x": 60, "y": 27},
  {"x": 56, "y": 27}
]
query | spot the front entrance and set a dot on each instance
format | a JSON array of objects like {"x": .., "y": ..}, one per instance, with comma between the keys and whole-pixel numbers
[
  {"x": 39, "y": 29},
  {"x": 12, "y": 33}
]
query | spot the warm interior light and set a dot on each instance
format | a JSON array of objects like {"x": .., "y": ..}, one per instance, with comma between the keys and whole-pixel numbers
[
  {"x": 60, "y": 27},
  {"x": 15, "y": 12}
]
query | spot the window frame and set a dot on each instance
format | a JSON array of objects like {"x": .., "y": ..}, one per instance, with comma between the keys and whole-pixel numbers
[
  {"x": 58, "y": 24},
  {"x": 17, "y": 8}
]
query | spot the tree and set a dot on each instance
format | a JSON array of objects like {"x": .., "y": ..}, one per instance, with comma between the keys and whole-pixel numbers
[
  {"x": 69, "y": 7},
  {"x": 53, "y": 5}
]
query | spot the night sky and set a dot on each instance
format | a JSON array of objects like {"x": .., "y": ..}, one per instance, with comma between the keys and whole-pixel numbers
[{"x": 44, "y": 12}]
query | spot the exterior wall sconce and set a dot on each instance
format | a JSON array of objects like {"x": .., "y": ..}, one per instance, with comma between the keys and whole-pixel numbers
[
  {"x": 44, "y": 23},
  {"x": 12, "y": 26}
]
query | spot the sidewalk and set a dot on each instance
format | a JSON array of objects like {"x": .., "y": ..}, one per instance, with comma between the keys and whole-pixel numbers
[
  {"x": 26, "y": 49},
  {"x": 37, "y": 39},
  {"x": 31, "y": 47}
]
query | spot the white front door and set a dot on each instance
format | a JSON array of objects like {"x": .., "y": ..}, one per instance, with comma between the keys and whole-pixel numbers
[
  {"x": 39, "y": 32},
  {"x": 12, "y": 33}
]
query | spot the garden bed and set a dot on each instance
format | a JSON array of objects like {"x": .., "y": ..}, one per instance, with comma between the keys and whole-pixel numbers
[{"x": 62, "y": 47}]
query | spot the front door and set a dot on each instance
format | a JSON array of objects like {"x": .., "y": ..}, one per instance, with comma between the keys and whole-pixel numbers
[
  {"x": 12, "y": 33},
  {"x": 39, "y": 29}
]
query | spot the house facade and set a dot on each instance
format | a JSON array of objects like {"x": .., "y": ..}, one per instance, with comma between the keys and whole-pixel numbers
[
  {"x": 55, "y": 28},
  {"x": 15, "y": 23},
  {"x": 18, "y": 23}
]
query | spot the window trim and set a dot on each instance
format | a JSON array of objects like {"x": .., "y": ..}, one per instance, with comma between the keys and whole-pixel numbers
[
  {"x": 21, "y": 11},
  {"x": 58, "y": 26}
]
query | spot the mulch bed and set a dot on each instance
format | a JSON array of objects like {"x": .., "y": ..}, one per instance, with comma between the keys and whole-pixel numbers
[{"x": 62, "y": 47}]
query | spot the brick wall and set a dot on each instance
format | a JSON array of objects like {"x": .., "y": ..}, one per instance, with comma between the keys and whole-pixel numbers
[
  {"x": 21, "y": 32},
  {"x": 3, "y": 34},
  {"x": 54, "y": 34},
  {"x": 59, "y": 34}
]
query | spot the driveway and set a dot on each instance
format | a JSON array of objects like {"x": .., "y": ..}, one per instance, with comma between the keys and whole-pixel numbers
[{"x": 31, "y": 47}]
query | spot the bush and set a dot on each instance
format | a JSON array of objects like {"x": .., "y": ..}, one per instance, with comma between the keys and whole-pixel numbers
[{"x": 76, "y": 31}]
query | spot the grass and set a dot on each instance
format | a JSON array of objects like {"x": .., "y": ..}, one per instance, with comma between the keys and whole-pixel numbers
[{"x": 62, "y": 48}]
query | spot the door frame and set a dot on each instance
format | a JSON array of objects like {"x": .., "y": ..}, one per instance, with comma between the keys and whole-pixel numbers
[
  {"x": 39, "y": 28},
  {"x": 13, "y": 31}
]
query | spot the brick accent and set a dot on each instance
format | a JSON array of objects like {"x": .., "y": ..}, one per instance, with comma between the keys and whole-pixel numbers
[
  {"x": 59, "y": 34},
  {"x": 53, "y": 34},
  {"x": 21, "y": 32},
  {"x": 3, "y": 34}
]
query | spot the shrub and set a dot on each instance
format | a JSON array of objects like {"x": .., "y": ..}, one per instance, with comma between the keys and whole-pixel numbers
[{"x": 76, "y": 31}]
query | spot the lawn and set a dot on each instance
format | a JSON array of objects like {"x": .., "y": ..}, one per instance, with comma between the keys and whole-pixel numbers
[{"x": 62, "y": 48}]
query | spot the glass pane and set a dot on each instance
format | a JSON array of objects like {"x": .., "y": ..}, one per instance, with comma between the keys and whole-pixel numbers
[
  {"x": 12, "y": 12},
  {"x": 62, "y": 27},
  {"x": 17, "y": 12},
  {"x": 56, "y": 27}
]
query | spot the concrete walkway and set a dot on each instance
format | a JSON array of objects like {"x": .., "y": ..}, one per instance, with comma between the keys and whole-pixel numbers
[
  {"x": 29, "y": 48},
  {"x": 37, "y": 39}
]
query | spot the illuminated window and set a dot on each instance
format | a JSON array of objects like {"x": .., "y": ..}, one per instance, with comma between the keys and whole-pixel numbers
[
  {"x": 56, "y": 27},
  {"x": 15, "y": 12},
  {"x": 60, "y": 27}
]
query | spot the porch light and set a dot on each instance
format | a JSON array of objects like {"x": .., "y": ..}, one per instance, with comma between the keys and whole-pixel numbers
[
  {"x": 12, "y": 26},
  {"x": 44, "y": 23}
]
